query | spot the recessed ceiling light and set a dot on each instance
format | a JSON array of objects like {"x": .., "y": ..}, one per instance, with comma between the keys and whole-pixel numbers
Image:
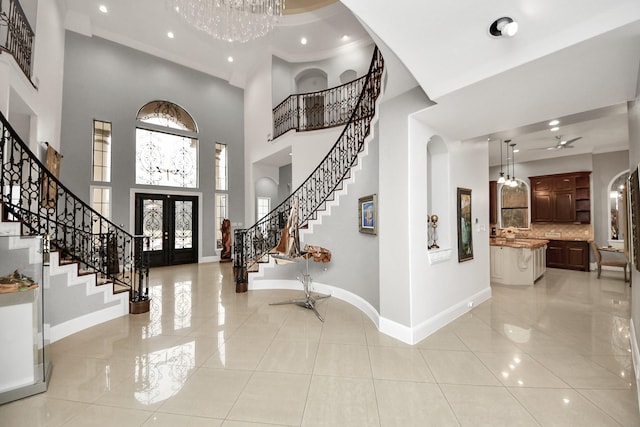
[
  {"x": 230, "y": 59},
  {"x": 554, "y": 129},
  {"x": 170, "y": 34},
  {"x": 303, "y": 40},
  {"x": 554, "y": 122},
  {"x": 563, "y": 142},
  {"x": 345, "y": 38},
  {"x": 291, "y": 154},
  {"x": 103, "y": 8},
  {"x": 516, "y": 151}
]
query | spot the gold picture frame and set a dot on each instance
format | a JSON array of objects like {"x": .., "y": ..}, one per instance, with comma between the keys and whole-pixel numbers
[{"x": 465, "y": 231}]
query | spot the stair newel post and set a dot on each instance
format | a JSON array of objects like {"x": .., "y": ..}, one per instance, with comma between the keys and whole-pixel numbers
[
  {"x": 140, "y": 302},
  {"x": 239, "y": 261}
]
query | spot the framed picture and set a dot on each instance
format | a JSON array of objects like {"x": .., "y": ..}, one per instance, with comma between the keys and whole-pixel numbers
[
  {"x": 367, "y": 214},
  {"x": 465, "y": 241},
  {"x": 634, "y": 217}
]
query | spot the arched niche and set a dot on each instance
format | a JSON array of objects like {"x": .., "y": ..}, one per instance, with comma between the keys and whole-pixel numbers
[
  {"x": 311, "y": 80},
  {"x": 616, "y": 211},
  {"x": 438, "y": 199},
  {"x": 348, "y": 76}
]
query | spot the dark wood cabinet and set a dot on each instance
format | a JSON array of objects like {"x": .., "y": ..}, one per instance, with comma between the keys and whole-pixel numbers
[
  {"x": 561, "y": 198},
  {"x": 493, "y": 202},
  {"x": 568, "y": 254}
]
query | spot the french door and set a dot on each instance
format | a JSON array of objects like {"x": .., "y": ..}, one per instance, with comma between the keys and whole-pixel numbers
[{"x": 171, "y": 224}]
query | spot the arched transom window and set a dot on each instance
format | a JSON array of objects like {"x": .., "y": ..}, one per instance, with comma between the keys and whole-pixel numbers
[{"x": 166, "y": 146}]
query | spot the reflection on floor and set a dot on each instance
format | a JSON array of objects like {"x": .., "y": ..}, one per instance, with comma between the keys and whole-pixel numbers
[{"x": 553, "y": 354}]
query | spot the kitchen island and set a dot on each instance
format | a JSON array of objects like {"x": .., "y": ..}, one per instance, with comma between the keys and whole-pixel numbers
[{"x": 517, "y": 261}]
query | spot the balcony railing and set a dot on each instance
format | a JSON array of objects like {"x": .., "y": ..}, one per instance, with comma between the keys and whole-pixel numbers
[
  {"x": 317, "y": 110},
  {"x": 252, "y": 245},
  {"x": 16, "y": 35}
]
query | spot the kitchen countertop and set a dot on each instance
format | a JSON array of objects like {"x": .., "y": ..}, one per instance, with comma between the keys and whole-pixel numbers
[{"x": 517, "y": 243}]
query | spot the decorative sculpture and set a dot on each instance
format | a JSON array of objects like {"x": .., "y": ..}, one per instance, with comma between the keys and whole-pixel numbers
[{"x": 225, "y": 255}]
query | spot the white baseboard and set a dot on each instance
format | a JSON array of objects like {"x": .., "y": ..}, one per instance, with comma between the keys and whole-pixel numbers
[
  {"x": 204, "y": 259},
  {"x": 70, "y": 327},
  {"x": 406, "y": 334},
  {"x": 447, "y": 316},
  {"x": 635, "y": 356}
]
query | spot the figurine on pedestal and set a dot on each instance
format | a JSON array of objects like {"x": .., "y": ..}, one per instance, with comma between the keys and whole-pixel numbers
[{"x": 433, "y": 219}]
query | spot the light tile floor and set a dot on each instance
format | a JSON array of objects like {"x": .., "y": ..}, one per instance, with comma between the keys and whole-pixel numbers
[{"x": 553, "y": 354}]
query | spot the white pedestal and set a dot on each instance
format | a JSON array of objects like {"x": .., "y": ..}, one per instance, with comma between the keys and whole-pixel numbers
[{"x": 18, "y": 336}]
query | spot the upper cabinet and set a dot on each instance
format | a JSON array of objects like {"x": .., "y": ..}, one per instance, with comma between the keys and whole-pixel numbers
[{"x": 561, "y": 198}]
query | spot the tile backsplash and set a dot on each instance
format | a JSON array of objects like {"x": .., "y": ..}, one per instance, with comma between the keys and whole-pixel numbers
[{"x": 556, "y": 231}]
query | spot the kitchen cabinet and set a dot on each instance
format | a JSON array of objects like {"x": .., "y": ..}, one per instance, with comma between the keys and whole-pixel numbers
[
  {"x": 568, "y": 254},
  {"x": 561, "y": 198},
  {"x": 493, "y": 202},
  {"x": 517, "y": 265}
]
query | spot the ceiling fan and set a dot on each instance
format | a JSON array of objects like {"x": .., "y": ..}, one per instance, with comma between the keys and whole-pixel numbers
[{"x": 561, "y": 144}]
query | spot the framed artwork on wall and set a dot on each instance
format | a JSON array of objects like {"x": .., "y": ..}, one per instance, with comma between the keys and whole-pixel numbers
[
  {"x": 367, "y": 214},
  {"x": 465, "y": 238},
  {"x": 634, "y": 210}
]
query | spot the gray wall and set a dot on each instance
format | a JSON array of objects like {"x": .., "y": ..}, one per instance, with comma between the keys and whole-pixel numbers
[
  {"x": 354, "y": 262},
  {"x": 282, "y": 83},
  {"x": 284, "y": 184},
  {"x": 107, "y": 81}
]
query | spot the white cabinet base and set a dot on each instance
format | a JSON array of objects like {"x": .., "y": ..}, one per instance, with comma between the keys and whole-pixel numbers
[{"x": 517, "y": 266}]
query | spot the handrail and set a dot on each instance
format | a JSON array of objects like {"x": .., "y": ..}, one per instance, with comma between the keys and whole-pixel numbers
[
  {"x": 253, "y": 244},
  {"x": 44, "y": 206},
  {"x": 317, "y": 110},
  {"x": 17, "y": 35}
]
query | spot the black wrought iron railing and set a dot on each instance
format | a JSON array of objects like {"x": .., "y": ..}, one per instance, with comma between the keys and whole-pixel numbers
[
  {"x": 16, "y": 35},
  {"x": 32, "y": 195},
  {"x": 252, "y": 245},
  {"x": 317, "y": 110}
]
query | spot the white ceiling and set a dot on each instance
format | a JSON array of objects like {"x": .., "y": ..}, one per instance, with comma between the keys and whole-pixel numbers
[
  {"x": 143, "y": 25},
  {"x": 569, "y": 58}
]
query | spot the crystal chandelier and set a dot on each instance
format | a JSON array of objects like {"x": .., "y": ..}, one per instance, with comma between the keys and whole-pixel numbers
[{"x": 230, "y": 20}]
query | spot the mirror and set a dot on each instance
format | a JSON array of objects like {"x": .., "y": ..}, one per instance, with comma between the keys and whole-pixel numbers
[{"x": 616, "y": 188}]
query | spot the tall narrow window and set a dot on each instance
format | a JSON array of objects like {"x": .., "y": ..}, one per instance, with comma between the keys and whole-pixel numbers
[
  {"x": 166, "y": 146},
  {"x": 221, "y": 167},
  {"x": 264, "y": 206},
  {"x": 514, "y": 204},
  {"x": 221, "y": 213},
  {"x": 101, "y": 203},
  {"x": 101, "y": 151}
]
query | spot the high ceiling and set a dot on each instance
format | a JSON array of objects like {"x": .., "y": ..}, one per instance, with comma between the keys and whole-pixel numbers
[
  {"x": 144, "y": 24},
  {"x": 569, "y": 57},
  {"x": 575, "y": 60}
]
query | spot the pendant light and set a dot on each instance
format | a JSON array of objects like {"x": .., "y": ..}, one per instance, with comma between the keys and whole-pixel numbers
[
  {"x": 514, "y": 182},
  {"x": 501, "y": 180},
  {"x": 508, "y": 180}
]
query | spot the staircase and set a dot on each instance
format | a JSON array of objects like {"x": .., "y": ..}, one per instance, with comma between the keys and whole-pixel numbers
[
  {"x": 317, "y": 193},
  {"x": 41, "y": 205}
]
